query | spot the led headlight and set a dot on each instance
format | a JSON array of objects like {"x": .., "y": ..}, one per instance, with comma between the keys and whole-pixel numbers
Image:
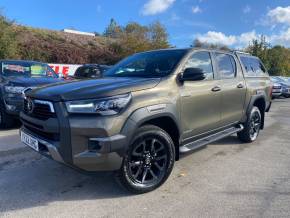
[
  {"x": 14, "y": 89},
  {"x": 104, "y": 106}
]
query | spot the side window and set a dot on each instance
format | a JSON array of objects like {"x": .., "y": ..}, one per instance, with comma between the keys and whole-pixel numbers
[
  {"x": 246, "y": 61},
  {"x": 201, "y": 60},
  {"x": 253, "y": 66},
  {"x": 226, "y": 66},
  {"x": 258, "y": 67}
]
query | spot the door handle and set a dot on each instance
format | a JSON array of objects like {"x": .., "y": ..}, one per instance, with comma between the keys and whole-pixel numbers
[
  {"x": 216, "y": 89},
  {"x": 240, "y": 85}
]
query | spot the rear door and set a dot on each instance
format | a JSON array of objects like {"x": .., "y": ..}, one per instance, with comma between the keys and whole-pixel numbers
[
  {"x": 233, "y": 88},
  {"x": 200, "y": 105}
]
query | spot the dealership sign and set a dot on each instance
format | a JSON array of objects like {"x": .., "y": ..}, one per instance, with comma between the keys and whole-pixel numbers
[{"x": 64, "y": 70}]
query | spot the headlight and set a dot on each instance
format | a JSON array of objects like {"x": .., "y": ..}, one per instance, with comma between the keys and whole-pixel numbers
[
  {"x": 14, "y": 89},
  {"x": 105, "y": 106}
]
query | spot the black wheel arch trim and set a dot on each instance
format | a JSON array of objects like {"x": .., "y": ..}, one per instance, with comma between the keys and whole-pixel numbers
[{"x": 143, "y": 115}]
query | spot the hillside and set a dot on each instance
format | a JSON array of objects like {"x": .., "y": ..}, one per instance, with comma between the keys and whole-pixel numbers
[
  {"x": 59, "y": 47},
  {"x": 22, "y": 42}
]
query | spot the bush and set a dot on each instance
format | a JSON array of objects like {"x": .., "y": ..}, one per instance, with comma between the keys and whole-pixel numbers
[{"x": 8, "y": 42}]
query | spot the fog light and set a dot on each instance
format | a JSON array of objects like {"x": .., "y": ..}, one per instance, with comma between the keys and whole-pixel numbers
[
  {"x": 10, "y": 107},
  {"x": 93, "y": 145}
]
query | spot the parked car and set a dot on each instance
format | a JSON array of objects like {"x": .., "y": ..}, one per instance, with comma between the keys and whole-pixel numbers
[
  {"x": 15, "y": 77},
  {"x": 284, "y": 85},
  {"x": 277, "y": 90},
  {"x": 89, "y": 71},
  {"x": 147, "y": 110}
]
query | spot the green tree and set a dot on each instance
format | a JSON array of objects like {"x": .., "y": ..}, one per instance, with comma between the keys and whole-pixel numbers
[
  {"x": 113, "y": 30},
  {"x": 279, "y": 59},
  {"x": 158, "y": 35},
  {"x": 260, "y": 48},
  {"x": 198, "y": 44},
  {"x": 276, "y": 59},
  {"x": 8, "y": 42}
]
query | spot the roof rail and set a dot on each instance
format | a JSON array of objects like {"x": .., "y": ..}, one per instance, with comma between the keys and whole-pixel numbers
[{"x": 240, "y": 52}]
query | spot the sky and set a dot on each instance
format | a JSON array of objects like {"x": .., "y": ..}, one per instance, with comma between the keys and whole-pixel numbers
[{"x": 230, "y": 22}]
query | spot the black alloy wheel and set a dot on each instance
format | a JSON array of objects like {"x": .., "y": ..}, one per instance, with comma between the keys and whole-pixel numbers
[
  {"x": 149, "y": 160},
  {"x": 255, "y": 125},
  {"x": 252, "y": 126}
]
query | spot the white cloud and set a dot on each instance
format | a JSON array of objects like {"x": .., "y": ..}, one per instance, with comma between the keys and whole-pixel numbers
[
  {"x": 279, "y": 15},
  {"x": 244, "y": 39},
  {"x": 156, "y": 6},
  {"x": 283, "y": 38},
  {"x": 216, "y": 38},
  {"x": 237, "y": 41},
  {"x": 247, "y": 9},
  {"x": 196, "y": 9}
]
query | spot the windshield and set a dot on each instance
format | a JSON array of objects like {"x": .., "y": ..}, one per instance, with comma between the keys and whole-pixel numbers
[
  {"x": 149, "y": 64},
  {"x": 26, "y": 69},
  {"x": 90, "y": 71}
]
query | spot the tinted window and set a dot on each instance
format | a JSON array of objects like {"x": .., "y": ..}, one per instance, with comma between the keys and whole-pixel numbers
[
  {"x": 202, "y": 61},
  {"x": 226, "y": 66},
  {"x": 88, "y": 72},
  {"x": 247, "y": 65},
  {"x": 148, "y": 64},
  {"x": 253, "y": 66}
]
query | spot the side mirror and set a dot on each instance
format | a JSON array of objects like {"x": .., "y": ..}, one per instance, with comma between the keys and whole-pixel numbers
[{"x": 192, "y": 74}]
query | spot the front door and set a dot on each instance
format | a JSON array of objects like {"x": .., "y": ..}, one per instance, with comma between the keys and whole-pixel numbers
[{"x": 200, "y": 100}]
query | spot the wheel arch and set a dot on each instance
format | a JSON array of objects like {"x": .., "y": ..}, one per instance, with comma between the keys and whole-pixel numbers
[
  {"x": 258, "y": 101},
  {"x": 165, "y": 119}
]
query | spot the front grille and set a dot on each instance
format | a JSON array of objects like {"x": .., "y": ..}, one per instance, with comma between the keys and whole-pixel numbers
[{"x": 42, "y": 110}]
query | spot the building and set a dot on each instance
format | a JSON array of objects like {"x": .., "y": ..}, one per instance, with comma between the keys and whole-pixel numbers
[{"x": 78, "y": 32}]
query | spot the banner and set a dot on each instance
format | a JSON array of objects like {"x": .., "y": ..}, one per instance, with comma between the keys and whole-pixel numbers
[{"x": 64, "y": 70}]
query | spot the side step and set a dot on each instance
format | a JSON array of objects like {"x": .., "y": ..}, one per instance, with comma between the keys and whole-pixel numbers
[{"x": 209, "y": 139}]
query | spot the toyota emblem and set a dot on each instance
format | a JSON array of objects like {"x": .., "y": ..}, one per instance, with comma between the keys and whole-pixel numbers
[{"x": 30, "y": 106}]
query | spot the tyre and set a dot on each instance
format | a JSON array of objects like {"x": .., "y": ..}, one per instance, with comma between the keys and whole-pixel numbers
[
  {"x": 149, "y": 160},
  {"x": 251, "y": 126},
  {"x": 6, "y": 121}
]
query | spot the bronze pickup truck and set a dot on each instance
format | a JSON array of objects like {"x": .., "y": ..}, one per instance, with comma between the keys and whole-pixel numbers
[{"x": 146, "y": 111}]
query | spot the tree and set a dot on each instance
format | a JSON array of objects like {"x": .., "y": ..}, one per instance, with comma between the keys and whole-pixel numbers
[
  {"x": 260, "y": 47},
  {"x": 158, "y": 35},
  {"x": 198, "y": 44},
  {"x": 8, "y": 42},
  {"x": 134, "y": 38},
  {"x": 137, "y": 38},
  {"x": 113, "y": 30},
  {"x": 279, "y": 59}
]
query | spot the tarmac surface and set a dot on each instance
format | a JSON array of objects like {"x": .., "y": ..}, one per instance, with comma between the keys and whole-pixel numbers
[{"x": 225, "y": 179}]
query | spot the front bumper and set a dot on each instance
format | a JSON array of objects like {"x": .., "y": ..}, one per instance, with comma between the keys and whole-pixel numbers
[{"x": 67, "y": 140}]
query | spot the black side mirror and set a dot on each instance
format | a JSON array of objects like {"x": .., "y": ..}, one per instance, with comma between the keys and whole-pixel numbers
[{"x": 192, "y": 74}]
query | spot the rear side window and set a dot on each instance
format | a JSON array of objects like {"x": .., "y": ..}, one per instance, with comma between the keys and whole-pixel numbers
[
  {"x": 226, "y": 66},
  {"x": 201, "y": 60},
  {"x": 253, "y": 66}
]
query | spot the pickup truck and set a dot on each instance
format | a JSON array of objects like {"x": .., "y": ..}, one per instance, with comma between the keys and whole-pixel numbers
[
  {"x": 148, "y": 110},
  {"x": 15, "y": 77}
]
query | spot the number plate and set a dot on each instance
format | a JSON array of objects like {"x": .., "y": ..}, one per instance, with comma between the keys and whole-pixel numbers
[{"x": 30, "y": 141}]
